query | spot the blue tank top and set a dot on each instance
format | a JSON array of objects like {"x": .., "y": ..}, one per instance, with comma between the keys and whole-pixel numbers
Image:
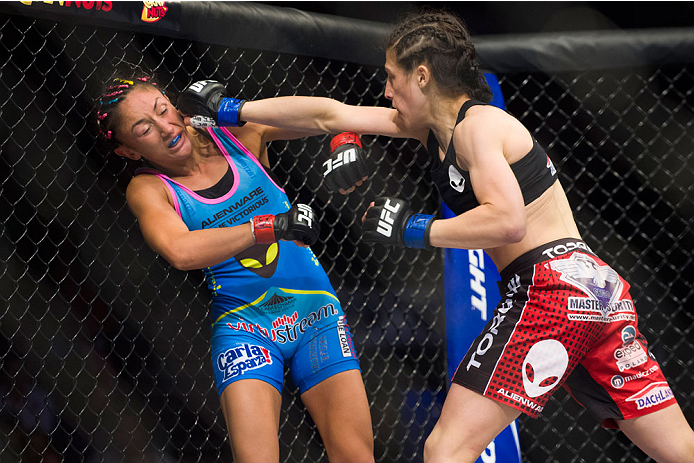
[
  {"x": 247, "y": 278},
  {"x": 534, "y": 171}
]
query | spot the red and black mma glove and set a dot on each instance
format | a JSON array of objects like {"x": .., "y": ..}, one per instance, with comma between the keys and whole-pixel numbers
[
  {"x": 298, "y": 223},
  {"x": 209, "y": 105},
  {"x": 346, "y": 165},
  {"x": 390, "y": 221}
]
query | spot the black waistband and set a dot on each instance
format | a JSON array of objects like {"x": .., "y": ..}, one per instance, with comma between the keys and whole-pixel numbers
[{"x": 544, "y": 253}]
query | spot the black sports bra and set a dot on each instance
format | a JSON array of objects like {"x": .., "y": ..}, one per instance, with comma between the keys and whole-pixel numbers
[
  {"x": 534, "y": 171},
  {"x": 219, "y": 189},
  {"x": 224, "y": 185}
]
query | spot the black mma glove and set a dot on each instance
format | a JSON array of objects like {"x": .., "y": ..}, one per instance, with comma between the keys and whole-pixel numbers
[
  {"x": 390, "y": 221},
  {"x": 298, "y": 223},
  {"x": 346, "y": 165},
  {"x": 208, "y": 104}
]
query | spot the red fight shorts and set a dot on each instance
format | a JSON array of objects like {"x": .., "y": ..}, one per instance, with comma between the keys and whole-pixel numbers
[{"x": 565, "y": 318}]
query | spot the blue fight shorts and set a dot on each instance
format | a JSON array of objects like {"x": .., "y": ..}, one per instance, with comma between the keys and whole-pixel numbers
[{"x": 306, "y": 330}]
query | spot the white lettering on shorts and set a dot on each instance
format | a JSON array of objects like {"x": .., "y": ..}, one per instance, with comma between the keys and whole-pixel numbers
[
  {"x": 560, "y": 249},
  {"x": 488, "y": 339},
  {"x": 287, "y": 329},
  {"x": 342, "y": 335},
  {"x": 520, "y": 399}
]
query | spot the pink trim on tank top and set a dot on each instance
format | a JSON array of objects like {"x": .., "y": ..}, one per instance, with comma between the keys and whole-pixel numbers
[{"x": 166, "y": 179}]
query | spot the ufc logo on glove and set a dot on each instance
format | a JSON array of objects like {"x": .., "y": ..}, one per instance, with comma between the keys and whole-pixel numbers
[
  {"x": 385, "y": 223},
  {"x": 198, "y": 86},
  {"x": 344, "y": 157},
  {"x": 305, "y": 214}
]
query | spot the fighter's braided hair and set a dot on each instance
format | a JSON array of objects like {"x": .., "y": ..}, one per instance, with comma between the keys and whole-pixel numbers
[
  {"x": 111, "y": 96},
  {"x": 441, "y": 40}
]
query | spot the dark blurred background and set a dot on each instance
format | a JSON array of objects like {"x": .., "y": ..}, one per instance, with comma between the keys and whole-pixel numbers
[{"x": 523, "y": 17}]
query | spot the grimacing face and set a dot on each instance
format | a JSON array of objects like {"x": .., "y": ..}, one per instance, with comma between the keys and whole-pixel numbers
[{"x": 151, "y": 127}]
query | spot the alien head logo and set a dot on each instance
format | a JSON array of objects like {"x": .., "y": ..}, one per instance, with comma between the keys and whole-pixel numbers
[
  {"x": 260, "y": 259},
  {"x": 544, "y": 366},
  {"x": 457, "y": 181}
]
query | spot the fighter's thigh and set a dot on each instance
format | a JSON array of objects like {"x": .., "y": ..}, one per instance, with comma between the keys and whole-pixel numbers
[
  {"x": 340, "y": 409},
  {"x": 324, "y": 351},
  {"x": 664, "y": 435},
  {"x": 469, "y": 421},
  {"x": 251, "y": 410}
]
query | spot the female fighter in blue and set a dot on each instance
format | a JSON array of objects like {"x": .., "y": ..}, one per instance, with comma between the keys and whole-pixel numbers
[{"x": 209, "y": 201}]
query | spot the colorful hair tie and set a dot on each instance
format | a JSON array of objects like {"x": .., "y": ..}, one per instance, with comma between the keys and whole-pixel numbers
[
  {"x": 101, "y": 116},
  {"x": 114, "y": 87},
  {"x": 117, "y": 92},
  {"x": 108, "y": 135}
]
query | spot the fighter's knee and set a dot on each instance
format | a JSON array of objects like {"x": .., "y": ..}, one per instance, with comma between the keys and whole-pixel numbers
[
  {"x": 434, "y": 449},
  {"x": 684, "y": 452},
  {"x": 352, "y": 458},
  {"x": 438, "y": 449},
  {"x": 352, "y": 454},
  {"x": 430, "y": 446}
]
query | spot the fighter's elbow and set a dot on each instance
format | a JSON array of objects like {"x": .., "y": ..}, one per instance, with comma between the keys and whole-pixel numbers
[
  {"x": 514, "y": 227},
  {"x": 179, "y": 259},
  {"x": 515, "y": 233}
]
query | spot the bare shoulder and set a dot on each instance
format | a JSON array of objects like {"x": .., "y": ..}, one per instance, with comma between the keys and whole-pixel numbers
[
  {"x": 145, "y": 189},
  {"x": 488, "y": 128},
  {"x": 485, "y": 120}
]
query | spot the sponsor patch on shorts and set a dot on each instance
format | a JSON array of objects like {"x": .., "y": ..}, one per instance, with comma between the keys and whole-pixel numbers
[
  {"x": 651, "y": 395},
  {"x": 245, "y": 357}
]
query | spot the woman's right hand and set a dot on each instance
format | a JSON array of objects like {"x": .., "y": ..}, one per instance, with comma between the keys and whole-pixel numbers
[{"x": 346, "y": 169}]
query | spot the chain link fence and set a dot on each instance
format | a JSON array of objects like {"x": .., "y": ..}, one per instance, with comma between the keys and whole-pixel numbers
[{"x": 104, "y": 346}]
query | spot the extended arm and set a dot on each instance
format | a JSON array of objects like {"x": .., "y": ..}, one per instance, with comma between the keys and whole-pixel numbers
[
  {"x": 326, "y": 115},
  {"x": 207, "y": 101}
]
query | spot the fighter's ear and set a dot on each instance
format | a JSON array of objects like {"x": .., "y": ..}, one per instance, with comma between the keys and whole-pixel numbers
[
  {"x": 423, "y": 75},
  {"x": 127, "y": 153}
]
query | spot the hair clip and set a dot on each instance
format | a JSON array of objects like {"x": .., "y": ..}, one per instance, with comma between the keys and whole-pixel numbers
[{"x": 129, "y": 82}]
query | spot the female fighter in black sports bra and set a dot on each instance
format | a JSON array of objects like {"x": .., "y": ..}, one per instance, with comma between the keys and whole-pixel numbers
[{"x": 565, "y": 318}]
